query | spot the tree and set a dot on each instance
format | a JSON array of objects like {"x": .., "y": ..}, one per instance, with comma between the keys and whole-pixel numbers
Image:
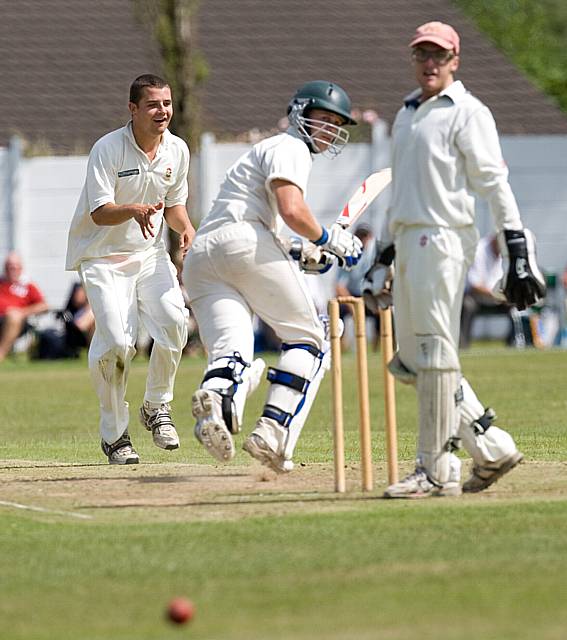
[{"x": 532, "y": 33}]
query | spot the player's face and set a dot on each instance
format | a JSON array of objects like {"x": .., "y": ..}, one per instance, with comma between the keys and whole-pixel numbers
[
  {"x": 324, "y": 132},
  {"x": 434, "y": 68},
  {"x": 152, "y": 115}
]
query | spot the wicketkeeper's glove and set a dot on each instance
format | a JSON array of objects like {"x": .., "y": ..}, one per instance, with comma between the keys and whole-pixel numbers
[
  {"x": 312, "y": 260},
  {"x": 377, "y": 283},
  {"x": 346, "y": 247},
  {"x": 523, "y": 284}
]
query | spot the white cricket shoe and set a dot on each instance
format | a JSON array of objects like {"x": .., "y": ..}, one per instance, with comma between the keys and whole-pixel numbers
[
  {"x": 121, "y": 451},
  {"x": 158, "y": 421},
  {"x": 483, "y": 476},
  {"x": 258, "y": 448},
  {"x": 418, "y": 485},
  {"x": 210, "y": 429}
]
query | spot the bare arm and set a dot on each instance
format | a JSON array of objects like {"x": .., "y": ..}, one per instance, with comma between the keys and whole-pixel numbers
[
  {"x": 177, "y": 218},
  {"x": 294, "y": 210},
  {"x": 111, "y": 214},
  {"x": 25, "y": 312},
  {"x": 34, "y": 309}
]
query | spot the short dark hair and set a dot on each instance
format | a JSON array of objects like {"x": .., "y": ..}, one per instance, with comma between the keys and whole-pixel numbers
[{"x": 141, "y": 82}]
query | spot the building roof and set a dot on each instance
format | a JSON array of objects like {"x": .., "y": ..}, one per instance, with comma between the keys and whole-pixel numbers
[
  {"x": 260, "y": 52},
  {"x": 67, "y": 64}
]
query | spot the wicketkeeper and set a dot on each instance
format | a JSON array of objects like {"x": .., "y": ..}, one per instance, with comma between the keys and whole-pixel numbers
[
  {"x": 239, "y": 267},
  {"x": 445, "y": 147}
]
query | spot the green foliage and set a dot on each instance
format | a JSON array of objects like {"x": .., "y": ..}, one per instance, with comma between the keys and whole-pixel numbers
[
  {"x": 184, "y": 66},
  {"x": 532, "y": 33}
]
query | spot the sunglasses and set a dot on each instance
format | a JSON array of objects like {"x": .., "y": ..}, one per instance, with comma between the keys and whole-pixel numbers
[{"x": 439, "y": 56}]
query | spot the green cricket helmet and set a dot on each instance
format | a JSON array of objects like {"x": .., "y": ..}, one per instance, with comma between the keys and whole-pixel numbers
[{"x": 328, "y": 96}]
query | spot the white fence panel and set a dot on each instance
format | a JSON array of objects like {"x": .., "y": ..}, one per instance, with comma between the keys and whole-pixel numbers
[
  {"x": 38, "y": 197},
  {"x": 5, "y": 207},
  {"x": 50, "y": 190}
]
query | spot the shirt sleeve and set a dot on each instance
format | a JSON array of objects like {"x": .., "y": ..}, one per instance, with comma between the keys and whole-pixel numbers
[
  {"x": 179, "y": 190},
  {"x": 289, "y": 160},
  {"x": 101, "y": 176},
  {"x": 486, "y": 170}
]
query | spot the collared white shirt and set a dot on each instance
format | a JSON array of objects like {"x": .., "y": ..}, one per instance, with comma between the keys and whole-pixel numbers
[
  {"x": 246, "y": 194},
  {"x": 444, "y": 151},
  {"x": 119, "y": 172}
]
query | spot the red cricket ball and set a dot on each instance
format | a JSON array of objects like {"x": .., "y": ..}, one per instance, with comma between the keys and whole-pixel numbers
[{"x": 180, "y": 610}]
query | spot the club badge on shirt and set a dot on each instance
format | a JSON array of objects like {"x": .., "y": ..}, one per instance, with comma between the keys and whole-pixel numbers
[
  {"x": 128, "y": 172},
  {"x": 168, "y": 173}
]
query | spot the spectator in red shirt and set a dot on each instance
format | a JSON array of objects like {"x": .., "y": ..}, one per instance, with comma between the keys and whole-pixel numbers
[{"x": 19, "y": 299}]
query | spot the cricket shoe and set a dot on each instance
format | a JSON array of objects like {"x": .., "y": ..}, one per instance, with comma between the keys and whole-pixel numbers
[
  {"x": 158, "y": 421},
  {"x": 418, "y": 485},
  {"x": 483, "y": 476},
  {"x": 121, "y": 451},
  {"x": 210, "y": 429},
  {"x": 258, "y": 448}
]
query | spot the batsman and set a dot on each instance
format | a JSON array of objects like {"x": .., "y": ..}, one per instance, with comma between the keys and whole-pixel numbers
[
  {"x": 238, "y": 267},
  {"x": 445, "y": 149}
]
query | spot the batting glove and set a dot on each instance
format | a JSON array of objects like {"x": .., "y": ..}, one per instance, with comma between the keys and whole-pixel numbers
[
  {"x": 377, "y": 283},
  {"x": 312, "y": 260},
  {"x": 341, "y": 243},
  {"x": 523, "y": 284}
]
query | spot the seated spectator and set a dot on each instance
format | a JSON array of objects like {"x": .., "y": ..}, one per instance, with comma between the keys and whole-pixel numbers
[
  {"x": 483, "y": 275},
  {"x": 69, "y": 331},
  {"x": 79, "y": 320},
  {"x": 19, "y": 300}
]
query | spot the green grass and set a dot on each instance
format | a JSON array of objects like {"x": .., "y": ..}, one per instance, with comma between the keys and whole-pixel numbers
[{"x": 489, "y": 567}]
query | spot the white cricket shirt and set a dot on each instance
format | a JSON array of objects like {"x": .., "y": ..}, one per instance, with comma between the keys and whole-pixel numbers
[
  {"x": 119, "y": 172},
  {"x": 245, "y": 194},
  {"x": 444, "y": 150}
]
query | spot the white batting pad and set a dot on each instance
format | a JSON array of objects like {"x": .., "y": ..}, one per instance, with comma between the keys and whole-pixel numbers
[
  {"x": 399, "y": 370},
  {"x": 491, "y": 446},
  {"x": 436, "y": 352},
  {"x": 250, "y": 379},
  {"x": 302, "y": 363},
  {"x": 438, "y": 422}
]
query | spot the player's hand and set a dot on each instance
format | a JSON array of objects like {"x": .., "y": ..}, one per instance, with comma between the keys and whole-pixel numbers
[
  {"x": 341, "y": 243},
  {"x": 186, "y": 240},
  {"x": 143, "y": 216},
  {"x": 377, "y": 283},
  {"x": 523, "y": 284},
  {"x": 312, "y": 260}
]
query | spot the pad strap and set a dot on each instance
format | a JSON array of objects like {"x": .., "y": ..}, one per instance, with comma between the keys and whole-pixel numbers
[
  {"x": 287, "y": 379},
  {"x": 305, "y": 346},
  {"x": 481, "y": 425},
  {"x": 281, "y": 417},
  {"x": 229, "y": 371}
]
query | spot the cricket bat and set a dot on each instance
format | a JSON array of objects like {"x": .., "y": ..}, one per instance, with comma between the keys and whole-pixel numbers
[
  {"x": 360, "y": 200},
  {"x": 368, "y": 191}
]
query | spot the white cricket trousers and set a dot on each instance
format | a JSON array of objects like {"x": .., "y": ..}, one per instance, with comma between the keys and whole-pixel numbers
[
  {"x": 122, "y": 292},
  {"x": 431, "y": 266},
  {"x": 238, "y": 270}
]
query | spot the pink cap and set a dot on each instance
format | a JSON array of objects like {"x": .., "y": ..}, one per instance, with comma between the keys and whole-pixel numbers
[{"x": 438, "y": 33}]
